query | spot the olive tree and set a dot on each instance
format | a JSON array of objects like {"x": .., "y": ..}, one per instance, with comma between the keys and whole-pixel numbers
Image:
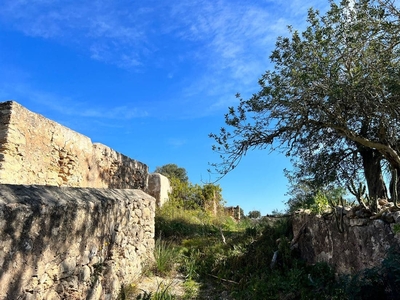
[{"x": 331, "y": 98}]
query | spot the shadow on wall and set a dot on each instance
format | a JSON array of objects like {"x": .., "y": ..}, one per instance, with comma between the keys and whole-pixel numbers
[
  {"x": 121, "y": 173},
  {"x": 65, "y": 242}
]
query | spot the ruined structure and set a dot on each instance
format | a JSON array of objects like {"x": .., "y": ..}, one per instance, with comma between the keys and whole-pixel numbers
[
  {"x": 350, "y": 245},
  {"x": 76, "y": 218},
  {"x": 36, "y": 150}
]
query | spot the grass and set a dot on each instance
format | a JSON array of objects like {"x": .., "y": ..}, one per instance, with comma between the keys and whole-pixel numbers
[{"x": 166, "y": 257}]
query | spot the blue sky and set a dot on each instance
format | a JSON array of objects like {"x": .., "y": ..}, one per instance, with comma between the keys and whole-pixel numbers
[{"x": 151, "y": 79}]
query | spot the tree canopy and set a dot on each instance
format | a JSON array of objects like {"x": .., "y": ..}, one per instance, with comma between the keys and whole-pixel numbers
[
  {"x": 331, "y": 101},
  {"x": 173, "y": 171},
  {"x": 254, "y": 214}
]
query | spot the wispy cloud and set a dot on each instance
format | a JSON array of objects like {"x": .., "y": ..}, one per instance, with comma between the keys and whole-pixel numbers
[
  {"x": 234, "y": 41},
  {"x": 68, "y": 105},
  {"x": 228, "y": 41},
  {"x": 108, "y": 32},
  {"x": 227, "y": 33}
]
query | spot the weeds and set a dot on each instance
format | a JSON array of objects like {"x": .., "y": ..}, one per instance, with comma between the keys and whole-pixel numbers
[{"x": 239, "y": 265}]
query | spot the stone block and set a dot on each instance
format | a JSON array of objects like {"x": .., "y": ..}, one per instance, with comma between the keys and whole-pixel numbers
[{"x": 159, "y": 187}]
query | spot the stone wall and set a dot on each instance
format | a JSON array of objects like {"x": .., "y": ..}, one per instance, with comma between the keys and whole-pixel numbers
[
  {"x": 76, "y": 221},
  {"x": 362, "y": 244},
  {"x": 36, "y": 150},
  {"x": 72, "y": 243}
]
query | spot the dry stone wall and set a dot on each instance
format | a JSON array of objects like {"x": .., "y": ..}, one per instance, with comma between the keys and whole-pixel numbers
[
  {"x": 72, "y": 243},
  {"x": 363, "y": 243},
  {"x": 76, "y": 219},
  {"x": 36, "y": 150}
]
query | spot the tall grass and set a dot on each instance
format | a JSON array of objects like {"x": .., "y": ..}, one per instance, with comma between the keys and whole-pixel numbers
[{"x": 166, "y": 257}]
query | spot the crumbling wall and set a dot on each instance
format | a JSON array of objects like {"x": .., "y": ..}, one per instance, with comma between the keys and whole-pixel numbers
[
  {"x": 72, "y": 243},
  {"x": 363, "y": 243},
  {"x": 36, "y": 150}
]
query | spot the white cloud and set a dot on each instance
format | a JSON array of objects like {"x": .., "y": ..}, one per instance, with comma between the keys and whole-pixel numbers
[
  {"x": 226, "y": 32},
  {"x": 230, "y": 40}
]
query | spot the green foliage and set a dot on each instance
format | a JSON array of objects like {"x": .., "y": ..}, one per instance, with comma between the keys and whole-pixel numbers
[
  {"x": 396, "y": 228},
  {"x": 194, "y": 196},
  {"x": 254, "y": 214},
  {"x": 330, "y": 101},
  {"x": 301, "y": 194},
  {"x": 191, "y": 289},
  {"x": 173, "y": 171},
  {"x": 172, "y": 220},
  {"x": 320, "y": 203},
  {"x": 163, "y": 292}
]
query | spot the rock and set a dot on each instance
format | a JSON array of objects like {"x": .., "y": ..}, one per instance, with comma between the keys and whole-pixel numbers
[
  {"x": 358, "y": 222},
  {"x": 95, "y": 293},
  {"x": 396, "y": 216},
  {"x": 69, "y": 261},
  {"x": 85, "y": 274},
  {"x": 68, "y": 266},
  {"x": 388, "y": 217},
  {"x": 362, "y": 244},
  {"x": 54, "y": 238}
]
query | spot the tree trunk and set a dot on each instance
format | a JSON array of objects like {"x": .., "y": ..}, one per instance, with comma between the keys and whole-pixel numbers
[
  {"x": 373, "y": 173},
  {"x": 391, "y": 186}
]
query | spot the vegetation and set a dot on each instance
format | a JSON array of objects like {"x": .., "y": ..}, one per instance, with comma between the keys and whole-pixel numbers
[
  {"x": 173, "y": 171},
  {"x": 254, "y": 214},
  {"x": 331, "y": 101},
  {"x": 191, "y": 196},
  {"x": 253, "y": 258},
  {"x": 223, "y": 258}
]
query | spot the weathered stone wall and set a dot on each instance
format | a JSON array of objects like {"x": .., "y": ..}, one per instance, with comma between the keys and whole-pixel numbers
[
  {"x": 36, "y": 150},
  {"x": 159, "y": 187},
  {"x": 362, "y": 244},
  {"x": 72, "y": 243}
]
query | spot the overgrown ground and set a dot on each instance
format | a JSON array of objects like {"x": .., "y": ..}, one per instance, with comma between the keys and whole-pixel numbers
[{"x": 201, "y": 256}]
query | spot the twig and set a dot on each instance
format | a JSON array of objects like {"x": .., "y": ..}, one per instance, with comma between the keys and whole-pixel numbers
[
  {"x": 226, "y": 280},
  {"x": 296, "y": 238},
  {"x": 279, "y": 216}
]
